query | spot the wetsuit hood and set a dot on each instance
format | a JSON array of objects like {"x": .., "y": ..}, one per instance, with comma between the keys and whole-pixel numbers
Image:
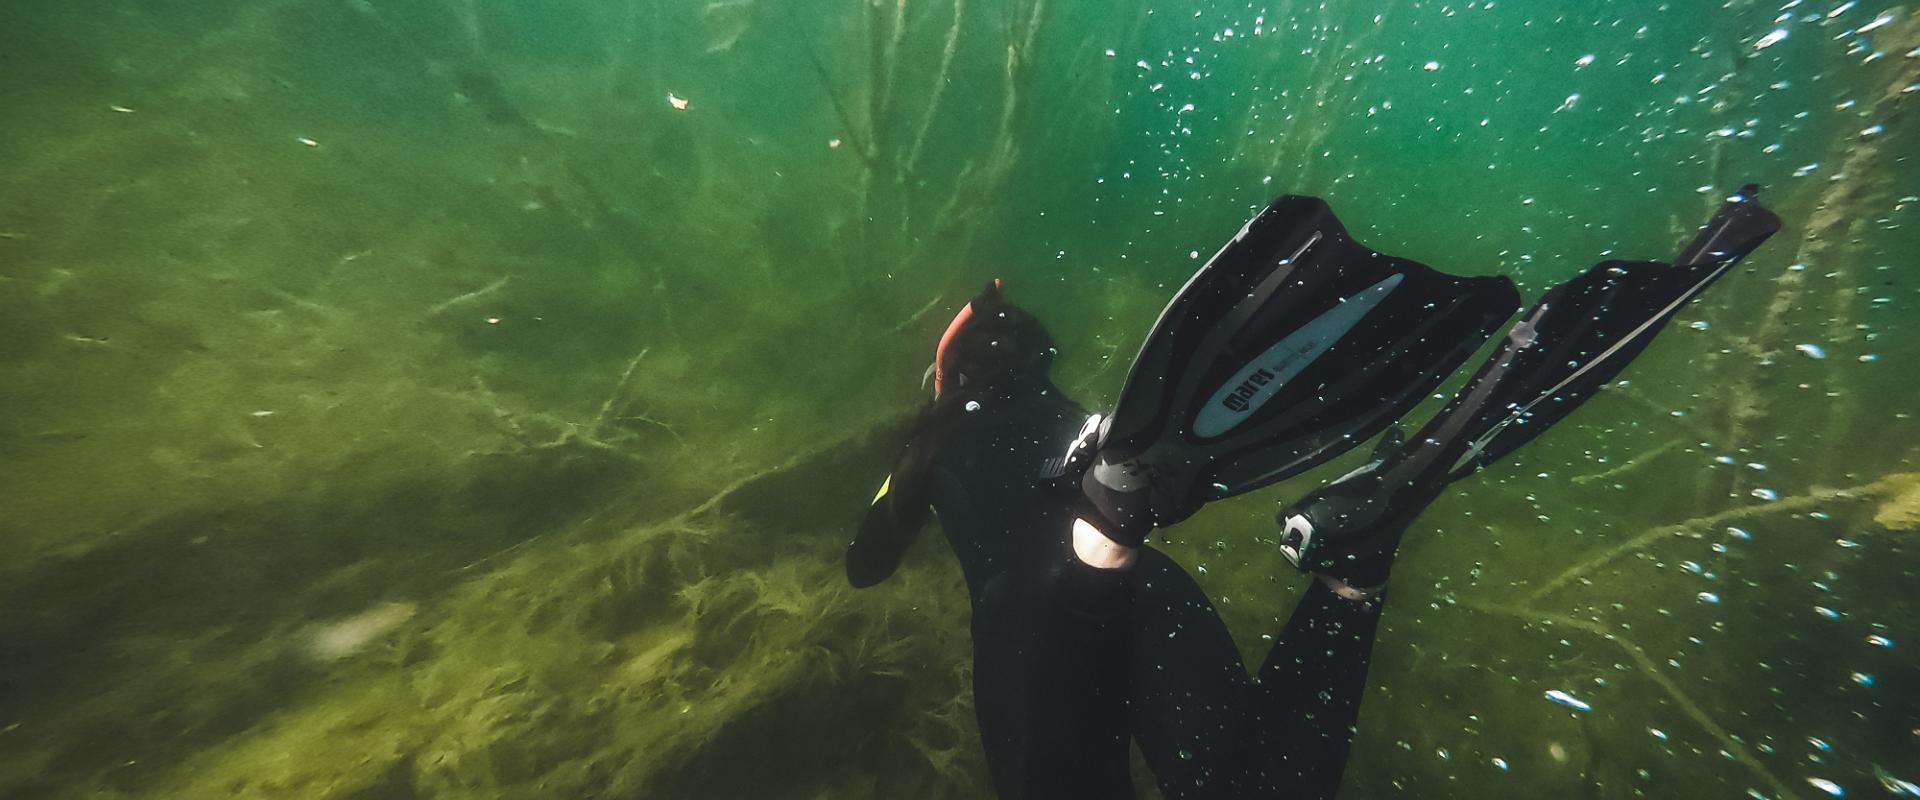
[{"x": 992, "y": 341}]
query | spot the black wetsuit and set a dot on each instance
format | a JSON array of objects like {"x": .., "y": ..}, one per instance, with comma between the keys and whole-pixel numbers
[{"x": 1069, "y": 661}]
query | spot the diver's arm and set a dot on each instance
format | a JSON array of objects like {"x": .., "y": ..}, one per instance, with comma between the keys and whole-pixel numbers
[
  {"x": 899, "y": 510},
  {"x": 894, "y": 520}
]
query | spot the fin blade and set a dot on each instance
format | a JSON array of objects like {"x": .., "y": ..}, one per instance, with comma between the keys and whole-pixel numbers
[
  {"x": 1575, "y": 340},
  {"x": 1291, "y": 345},
  {"x": 1741, "y": 225},
  {"x": 1587, "y": 331}
]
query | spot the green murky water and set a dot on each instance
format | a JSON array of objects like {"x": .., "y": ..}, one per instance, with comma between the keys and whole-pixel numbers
[{"x": 470, "y": 398}]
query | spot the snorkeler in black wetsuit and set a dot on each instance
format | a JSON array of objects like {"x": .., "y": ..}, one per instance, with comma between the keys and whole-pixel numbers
[{"x": 1084, "y": 635}]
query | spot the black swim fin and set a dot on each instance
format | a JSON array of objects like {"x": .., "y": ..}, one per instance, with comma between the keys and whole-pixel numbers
[
  {"x": 1577, "y": 338},
  {"x": 1291, "y": 345}
]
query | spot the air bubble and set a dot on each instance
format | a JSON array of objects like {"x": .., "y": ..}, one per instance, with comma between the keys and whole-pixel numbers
[
  {"x": 1827, "y": 786},
  {"x": 1568, "y": 700}
]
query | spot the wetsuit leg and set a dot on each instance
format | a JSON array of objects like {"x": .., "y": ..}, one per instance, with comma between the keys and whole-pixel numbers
[
  {"x": 1083, "y": 685},
  {"x": 1190, "y": 687},
  {"x": 1307, "y": 699},
  {"x": 1209, "y": 732},
  {"x": 1052, "y": 682},
  {"x": 1204, "y": 728}
]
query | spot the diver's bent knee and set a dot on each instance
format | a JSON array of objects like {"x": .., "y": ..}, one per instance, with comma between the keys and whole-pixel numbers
[{"x": 1094, "y": 549}]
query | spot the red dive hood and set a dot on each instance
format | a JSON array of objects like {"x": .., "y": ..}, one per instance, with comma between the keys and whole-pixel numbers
[{"x": 953, "y": 329}]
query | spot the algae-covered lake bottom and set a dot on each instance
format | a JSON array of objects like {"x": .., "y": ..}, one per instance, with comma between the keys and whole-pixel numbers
[{"x": 473, "y": 398}]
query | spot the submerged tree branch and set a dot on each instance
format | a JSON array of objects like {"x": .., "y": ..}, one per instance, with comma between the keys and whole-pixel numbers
[
  {"x": 1638, "y": 461},
  {"x": 1805, "y": 502},
  {"x": 940, "y": 81},
  {"x": 1651, "y": 670}
]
